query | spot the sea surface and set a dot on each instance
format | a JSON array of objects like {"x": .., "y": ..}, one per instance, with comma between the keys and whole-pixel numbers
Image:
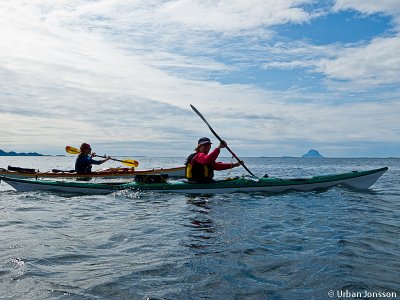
[{"x": 329, "y": 244}]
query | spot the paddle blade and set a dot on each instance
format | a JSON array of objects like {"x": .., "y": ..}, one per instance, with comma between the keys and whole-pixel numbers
[
  {"x": 72, "y": 150},
  {"x": 130, "y": 162}
]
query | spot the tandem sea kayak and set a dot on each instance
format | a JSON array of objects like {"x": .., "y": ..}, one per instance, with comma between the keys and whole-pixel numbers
[
  {"x": 355, "y": 179},
  {"x": 15, "y": 172}
]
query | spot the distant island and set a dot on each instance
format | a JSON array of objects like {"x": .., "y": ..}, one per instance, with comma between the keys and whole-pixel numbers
[
  {"x": 12, "y": 153},
  {"x": 313, "y": 154}
]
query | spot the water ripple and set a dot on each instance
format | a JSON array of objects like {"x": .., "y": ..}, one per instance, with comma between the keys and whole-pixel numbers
[{"x": 135, "y": 245}]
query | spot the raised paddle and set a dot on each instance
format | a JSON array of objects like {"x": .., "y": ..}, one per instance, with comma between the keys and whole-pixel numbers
[
  {"x": 221, "y": 140},
  {"x": 127, "y": 162}
]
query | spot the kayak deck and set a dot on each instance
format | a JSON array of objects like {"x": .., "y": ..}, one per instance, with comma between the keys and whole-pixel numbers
[
  {"x": 176, "y": 172},
  {"x": 355, "y": 179}
]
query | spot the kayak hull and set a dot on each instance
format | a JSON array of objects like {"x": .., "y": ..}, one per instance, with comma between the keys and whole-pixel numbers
[
  {"x": 355, "y": 179},
  {"x": 177, "y": 172},
  {"x": 29, "y": 185}
]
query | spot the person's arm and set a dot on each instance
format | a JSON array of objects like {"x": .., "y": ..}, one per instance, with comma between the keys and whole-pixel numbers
[
  {"x": 219, "y": 166},
  {"x": 207, "y": 159},
  {"x": 106, "y": 159},
  {"x": 98, "y": 162}
]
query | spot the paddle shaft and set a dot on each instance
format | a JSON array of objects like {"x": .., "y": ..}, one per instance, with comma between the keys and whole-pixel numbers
[
  {"x": 126, "y": 161},
  {"x": 114, "y": 159},
  {"x": 221, "y": 140}
]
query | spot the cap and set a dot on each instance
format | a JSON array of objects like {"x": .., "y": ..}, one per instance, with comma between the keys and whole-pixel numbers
[
  {"x": 204, "y": 140},
  {"x": 85, "y": 146}
]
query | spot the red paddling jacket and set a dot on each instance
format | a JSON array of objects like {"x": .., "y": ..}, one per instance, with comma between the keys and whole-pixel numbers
[{"x": 200, "y": 166}]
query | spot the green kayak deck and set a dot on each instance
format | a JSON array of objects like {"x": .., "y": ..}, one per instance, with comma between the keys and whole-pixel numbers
[{"x": 355, "y": 179}]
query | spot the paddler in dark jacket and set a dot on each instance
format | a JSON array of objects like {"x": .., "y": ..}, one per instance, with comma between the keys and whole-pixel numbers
[
  {"x": 200, "y": 165},
  {"x": 84, "y": 161}
]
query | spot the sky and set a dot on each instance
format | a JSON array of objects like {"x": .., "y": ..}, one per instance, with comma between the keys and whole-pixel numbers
[{"x": 272, "y": 77}]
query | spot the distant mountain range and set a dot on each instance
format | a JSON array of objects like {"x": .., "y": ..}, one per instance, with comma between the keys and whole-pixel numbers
[{"x": 12, "y": 153}]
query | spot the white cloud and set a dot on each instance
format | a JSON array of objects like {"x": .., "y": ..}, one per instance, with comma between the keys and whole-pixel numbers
[
  {"x": 369, "y": 7},
  {"x": 122, "y": 74},
  {"x": 389, "y": 7},
  {"x": 375, "y": 64},
  {"x": 233, "y": 15},
  {"x": 355, "y": 66},
  {"x": 351, "y": 66}
]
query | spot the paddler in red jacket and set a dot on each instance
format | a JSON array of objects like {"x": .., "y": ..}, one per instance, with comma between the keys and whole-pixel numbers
[{"x": 200, "y": 165}]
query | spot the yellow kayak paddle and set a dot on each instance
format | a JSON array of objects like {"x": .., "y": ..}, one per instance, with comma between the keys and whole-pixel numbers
[{"x": 127, "y": 162}]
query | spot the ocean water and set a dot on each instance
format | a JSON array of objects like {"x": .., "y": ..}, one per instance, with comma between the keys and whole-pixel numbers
[{"x": 329, "y": 244}]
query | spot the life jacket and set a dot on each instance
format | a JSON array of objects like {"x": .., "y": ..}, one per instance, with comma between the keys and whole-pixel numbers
[
  {"x": 198, "y": 172},
  {"x": 82, "y": 164}
]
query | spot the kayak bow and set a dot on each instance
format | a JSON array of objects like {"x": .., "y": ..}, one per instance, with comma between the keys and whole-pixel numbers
[{"x": 355, "y": 179}]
